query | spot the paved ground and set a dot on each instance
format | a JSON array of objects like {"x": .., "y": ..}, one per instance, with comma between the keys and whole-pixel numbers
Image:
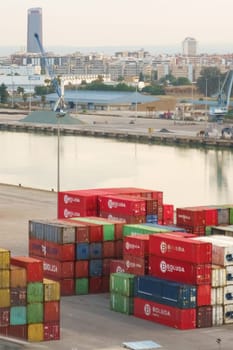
[{"x": 87, "y": 323}]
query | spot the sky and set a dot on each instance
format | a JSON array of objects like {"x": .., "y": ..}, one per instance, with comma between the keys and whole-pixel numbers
[{"x": 122, "y": 23}]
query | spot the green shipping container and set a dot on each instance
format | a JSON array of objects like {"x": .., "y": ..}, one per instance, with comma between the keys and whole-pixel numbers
[
  {"x": 208, "y": 230},
  {"x": 108, "y": 228},
  {"x": 81, "y": 286},
  {"x": 121, "y": 303},
  {"x": 35, "y": 292},
  {"x": 231, "y": 216},
  {"x": 122, "y": 283},
  {"x": 18, "y": 315},
  {"x": 130, "y": 230},
  {"x": 35, "y": 313}
]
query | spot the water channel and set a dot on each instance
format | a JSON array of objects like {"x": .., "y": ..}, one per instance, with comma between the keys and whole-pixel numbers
[{"x": 187, "y": 176}]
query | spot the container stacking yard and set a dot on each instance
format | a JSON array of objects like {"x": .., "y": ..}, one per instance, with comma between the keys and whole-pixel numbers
[{"x": 165, "y": 266}]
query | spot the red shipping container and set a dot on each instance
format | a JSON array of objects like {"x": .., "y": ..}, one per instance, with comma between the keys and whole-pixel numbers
[
  {"x": 57, "y": 269},
  {"x": 51, "y": 311},
  {"x": 19, "y": 331},
  {"x": 95, "y": 285},
  {"x": 151, "y": 206},
  {"x": 164, "y": 314},
  {"x": 81, "y": 231},
  {"x": 190, "y": 217},
  {"x": 168, "y": 214},
  {"x": 119, "y": 249},
  {"x": 33, "y": 266},
  {"x": 81, "y": 268},
  {"x": 204, "y": 316},
  {"x": 125, "y": 205},
  {"x": 4, "y": 316},
  {"x": 108, "y": 249},
  {"x": 4, "y": 331},
  {"x": 179, "y": 248},
  {"x": 136, "y": 265},
  {"x": 105, "y": 284},
  {"x": 51, "y": 331},
  {"x": 179, "y": 271},
  {"x": 95, "y": 230},
  {"x": 118, "y": 225},
  {"x": 117, "y": 266},
  {"x": 106, "y": 267},
  {"x": 66, "y": 286},
  {"x": 51, "y": 250},
  {"x": 136, "y": 245},
  {"x": 128, "y": 219},
  {"x": 204, "y": 294}
]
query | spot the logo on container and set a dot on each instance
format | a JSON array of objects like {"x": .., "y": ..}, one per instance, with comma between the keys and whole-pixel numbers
[
  {"x": 129, "y": 264},
  {"x": 119, "y": 269},
  {"x": 163, "y": 247},
  {"x": 129, "y": 245},
  {"x": 68, "y": 199},
  {"x": 70, "y": 214},
  {"x": 49, "y": 267},
  {"x": 43, "y": 248},
  {"x": 163, "y": 266},
  {"x": 112, "y": 204},
  {"x": 147, "y": 309}
]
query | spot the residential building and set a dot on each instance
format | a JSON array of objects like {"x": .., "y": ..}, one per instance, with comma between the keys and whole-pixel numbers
[{"x": 189, "y": 47}]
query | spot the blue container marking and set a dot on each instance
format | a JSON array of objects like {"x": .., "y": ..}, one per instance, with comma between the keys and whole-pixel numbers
[
  {"x": 153, "y": 219},
  {"x": 82, "y": 251}
]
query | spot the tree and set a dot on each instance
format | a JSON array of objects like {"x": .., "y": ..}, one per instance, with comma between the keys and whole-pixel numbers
[
  {"x": 182, "y": 81},
  {"x": 20, "y": 90},
  {"x": 209, "y": 81},
  {"x": 3, "y": 93}
]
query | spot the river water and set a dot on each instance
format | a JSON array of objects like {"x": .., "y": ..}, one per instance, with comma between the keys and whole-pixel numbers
[{"x": 187, "y": 176}]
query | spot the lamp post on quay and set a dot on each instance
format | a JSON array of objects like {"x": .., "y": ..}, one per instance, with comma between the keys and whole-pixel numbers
[{"x": 59, "y": 116}]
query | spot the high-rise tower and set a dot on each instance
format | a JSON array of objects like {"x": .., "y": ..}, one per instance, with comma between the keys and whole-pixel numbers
[
  {"x": 34, "y": 25},
  {"x": 189, "y": 47}
]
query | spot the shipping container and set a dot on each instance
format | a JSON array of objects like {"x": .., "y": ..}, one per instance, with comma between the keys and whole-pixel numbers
[
  {"x": 81, "y": 268},
  {"x": 136, "y": 265},
  {"x": 136, "y": 245},
  {"x": 164, "y": 314},
  {"x": 19, "y": 331},
  {"x": 185, "y": 249},
  {"x": 122, "y": 283},
  {"x": 119, "y": 249},
  {"x": 18, "y": 277},
  {"x": 228, "y": 294},
  {"x": 95, "y": 285},
  {"x": 35, "y": 292},
  {"x": 35, "y": 313},
  {"x": 190, "y": 217},
  {"x": 95, "y": 230},
  {"x": 51, "y": 290},
  {"x": 4, "y": 317},
  {"x": 95, "y": 267},
  {"x": 129, "y": 219},
  {"x": 108, "y": 249},
  {"x": 95, "y": 250},
  {"x": 4, "y": 259},
  {"x": 81, "y": 286},
  {"x": 204, "y": 316},
  {"x": 132, "y": 230},
  {"x": 122, "y": 303},
  {"x": 106, "y": 267},
  {"x": 117, "y": 265},
  {"x": 51, "y": 250},
  {"x": 18, "y": 296},
  {"x": 18, "y": 315},
  {"x": 4, "y": 278},
  {"x": 52, "y": 230},
  {"x": 204, "y": 294},
  {"x": 108, "y": 227},
  {"x": 217, "y": 314},
  {"x": 66, "y": 286},
  {"x": 33, "y": 266},
  {"x": 82, "y": 251},
  {"x": 179, "y": 271},
  {"x": 122, "y": 204},
  {"x": 219, "y": 276},
  {"x": 5, "y": 297},
  {"x": 165, "y": 292},
  {"x": 51, "y": 331},
  {"x": 56, "y": 269},
  {"x": 217, "y": 296},
  {"x": 51, "y": 311},
  {"x": 35, "y": 332},
  {"x": 228, "y": 314}
]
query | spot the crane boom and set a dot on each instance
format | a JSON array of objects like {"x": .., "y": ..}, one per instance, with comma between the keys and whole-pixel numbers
[{"x": 58, "y": 87}]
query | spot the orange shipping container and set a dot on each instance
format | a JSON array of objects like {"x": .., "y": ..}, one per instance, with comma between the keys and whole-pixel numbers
[{"x": 18, "y": 277}]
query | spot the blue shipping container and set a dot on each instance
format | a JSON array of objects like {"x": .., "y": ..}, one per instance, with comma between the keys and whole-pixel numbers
[
  {"x": 166, "y": 292},
  {"x": 95, "y": 250},
  {"x": 82, "y": 251},
  {"x": 95, "y": 268}
]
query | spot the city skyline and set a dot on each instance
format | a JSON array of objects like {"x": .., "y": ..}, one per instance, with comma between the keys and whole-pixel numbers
[{"x": 122, "y": 23}]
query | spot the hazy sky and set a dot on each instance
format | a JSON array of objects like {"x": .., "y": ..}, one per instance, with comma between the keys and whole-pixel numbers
[{"x": 94, "y": 23}]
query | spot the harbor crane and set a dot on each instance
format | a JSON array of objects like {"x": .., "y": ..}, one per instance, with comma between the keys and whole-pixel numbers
[
  {"x": 58, "y": 86},
  {"x": 220, "y": 110}
]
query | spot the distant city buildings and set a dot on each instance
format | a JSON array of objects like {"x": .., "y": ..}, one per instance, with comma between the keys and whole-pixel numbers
[
  {"x": 34, "y": 25},
  {"x": 189, "y": 47}
]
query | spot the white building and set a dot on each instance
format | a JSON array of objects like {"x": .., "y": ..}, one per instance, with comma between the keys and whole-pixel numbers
[{"x": 189, "y": 47}]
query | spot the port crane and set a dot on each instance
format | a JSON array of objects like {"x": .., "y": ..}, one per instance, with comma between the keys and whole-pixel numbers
[
  {"x": 220, "y": 110},
  {"x": 58, "y": 86}
]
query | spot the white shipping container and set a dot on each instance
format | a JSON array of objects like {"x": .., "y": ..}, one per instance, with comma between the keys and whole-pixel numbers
[
  {"x": 228, "y": 294},
  {"x": 217, "y": 296},
  {"x": 217, "y": 315},
  {"x": 218, "y": 278},
  {"x": 229, "y": 274},
  {"x": 228, "y": 314}
]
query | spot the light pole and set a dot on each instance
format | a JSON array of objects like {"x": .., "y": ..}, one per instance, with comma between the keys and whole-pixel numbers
[
  {"x": 59, "y": 116},
  {"x": 206, "y": 94}
]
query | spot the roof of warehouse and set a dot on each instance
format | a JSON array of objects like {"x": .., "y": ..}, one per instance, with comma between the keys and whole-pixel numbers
[
  {"x": 104, "y": 97},
  {"x": 49, "y": 117}
]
